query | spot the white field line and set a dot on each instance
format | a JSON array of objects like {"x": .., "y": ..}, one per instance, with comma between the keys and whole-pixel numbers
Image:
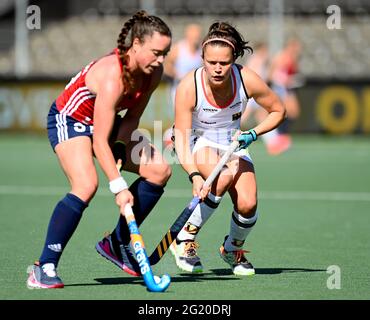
[{"x": 186, "y": 193}]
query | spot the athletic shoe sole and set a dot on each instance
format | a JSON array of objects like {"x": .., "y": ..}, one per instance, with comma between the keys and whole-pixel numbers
[
  {"x": 32, "y": 283},
  {"x": 247, "y": 272},
  {"x": 250, "y": 272}
]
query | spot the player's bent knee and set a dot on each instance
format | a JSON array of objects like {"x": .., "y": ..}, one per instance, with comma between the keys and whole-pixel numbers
[
  {"x": 85, "y": 191},
  {"x": 160, "y": 174},
  {"x": 247, "y": 208}
]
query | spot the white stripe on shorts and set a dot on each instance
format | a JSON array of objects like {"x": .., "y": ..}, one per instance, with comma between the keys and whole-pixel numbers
[
  {"x": 59, "y": 128},
  {"x": 62, "y": 129},
  {"x": 65, "y": 127}
]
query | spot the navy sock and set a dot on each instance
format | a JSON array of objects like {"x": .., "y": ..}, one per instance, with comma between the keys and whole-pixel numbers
[
  {"x": 63, "y": 223},
  {"x": 146, "y": 195}
]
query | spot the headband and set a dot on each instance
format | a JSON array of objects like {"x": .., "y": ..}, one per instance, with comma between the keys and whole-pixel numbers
[{"x": 219, "y": 39}]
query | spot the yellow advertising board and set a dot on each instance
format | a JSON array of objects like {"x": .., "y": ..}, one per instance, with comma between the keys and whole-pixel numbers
[{"x": 334, "y": 108}]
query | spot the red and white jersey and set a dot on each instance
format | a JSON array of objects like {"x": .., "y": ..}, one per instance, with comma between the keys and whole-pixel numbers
[{"x": 78, "y": 102}]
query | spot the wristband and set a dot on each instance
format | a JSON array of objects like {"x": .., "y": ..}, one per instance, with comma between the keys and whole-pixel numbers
[
  {"x": 117, "y": 185},
  {"x": 191, "y": 175},
  {"x": 253, "y": 134}
]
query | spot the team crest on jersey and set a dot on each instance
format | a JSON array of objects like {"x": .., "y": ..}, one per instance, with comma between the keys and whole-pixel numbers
[{"x": 236, "y": 116}]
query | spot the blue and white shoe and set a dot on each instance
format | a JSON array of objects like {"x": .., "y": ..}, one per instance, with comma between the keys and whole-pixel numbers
[{"x": 43, "y": 277}]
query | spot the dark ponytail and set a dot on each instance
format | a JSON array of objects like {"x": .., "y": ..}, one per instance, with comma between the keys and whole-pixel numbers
[{"x": 224, "y": 30}]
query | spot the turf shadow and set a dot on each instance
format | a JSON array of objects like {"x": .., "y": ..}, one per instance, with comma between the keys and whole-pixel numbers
[
  {"x": 228, "y": 272},
  {"x": 196, "y": 277},
  {"x": 139, "y": 281},
  {"x": 108, "y": 281}
]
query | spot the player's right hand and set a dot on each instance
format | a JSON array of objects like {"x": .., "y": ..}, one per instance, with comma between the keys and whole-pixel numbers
[
  {"x": 198, "y": 189},
  {"x": 122, "y": 198}
]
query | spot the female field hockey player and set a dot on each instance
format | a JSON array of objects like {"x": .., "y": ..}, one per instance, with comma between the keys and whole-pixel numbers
[
  {"x": 209, "y": 104},
  {"x": 83, "y": 123}
]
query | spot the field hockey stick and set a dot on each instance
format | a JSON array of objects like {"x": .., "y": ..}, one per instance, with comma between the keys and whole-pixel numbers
[
  {"x": 179, "y": 223},
  {"x": 152, "y": 282}
]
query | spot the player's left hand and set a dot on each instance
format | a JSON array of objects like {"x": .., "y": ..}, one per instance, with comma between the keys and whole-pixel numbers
[{"x": 245, "y": 138}]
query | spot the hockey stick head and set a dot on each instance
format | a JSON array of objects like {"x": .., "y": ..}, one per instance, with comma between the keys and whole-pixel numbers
[
  {"x": 158, "y": 284},
  {"x": 153, "y": 283}
]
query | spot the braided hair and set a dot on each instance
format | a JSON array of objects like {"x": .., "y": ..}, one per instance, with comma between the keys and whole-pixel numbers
[
  {"x": 224, "y": 31},
  {"x": 138, "y": 26}
]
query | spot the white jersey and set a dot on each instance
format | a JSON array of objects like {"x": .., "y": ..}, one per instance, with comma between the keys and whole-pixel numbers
[{"x": 218, "y": 123}]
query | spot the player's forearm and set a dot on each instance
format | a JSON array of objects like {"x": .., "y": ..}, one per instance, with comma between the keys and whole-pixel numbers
[
  {"x": 183, "y": 152},
  {"x": 187, "y": 162},
  {"x": 105, "y": 158},
  {"x": 271, "y": 122}
]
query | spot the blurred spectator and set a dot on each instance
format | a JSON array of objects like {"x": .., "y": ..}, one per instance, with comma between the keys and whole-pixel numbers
[
  {"x": 259, "y": 62},
  {"x": 284, "y": 79},
  {"x": 185, "y": 55}
]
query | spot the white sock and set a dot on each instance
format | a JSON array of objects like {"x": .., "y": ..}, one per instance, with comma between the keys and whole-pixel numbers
[
  {"x": 49, "y": 269},
  {"x": 198, "y": 218},
  {"x": 240, "y": 227}
]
